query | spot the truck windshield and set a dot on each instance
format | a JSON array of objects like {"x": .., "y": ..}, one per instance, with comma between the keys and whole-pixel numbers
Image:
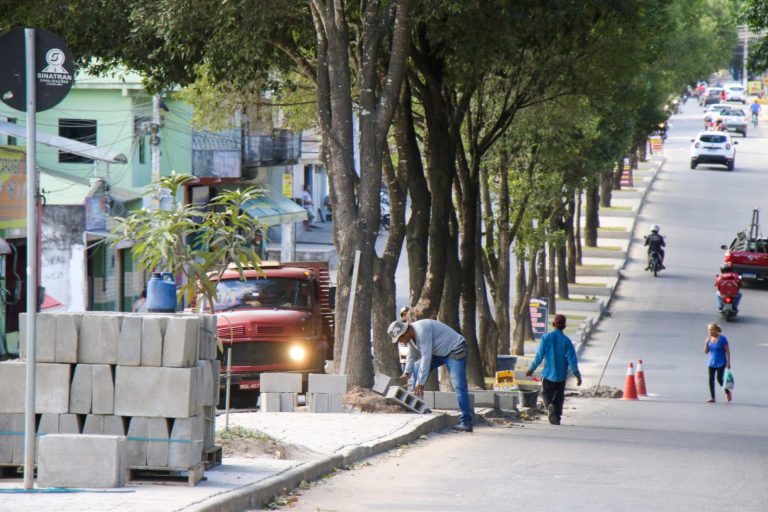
[{"x": 262, "y": 293}]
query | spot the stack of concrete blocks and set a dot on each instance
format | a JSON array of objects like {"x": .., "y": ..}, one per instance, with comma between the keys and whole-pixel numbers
[
  {"x": 444, "y": 400},
  {"x": 279, "y": 391},
  {"x": 325, "y": 393},
  {"x": 151, "y": 378},
  {"x": 400, "y": 396}
]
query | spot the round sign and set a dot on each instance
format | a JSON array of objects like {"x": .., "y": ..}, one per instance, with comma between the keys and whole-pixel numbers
[{"x": 54, "y": 69}]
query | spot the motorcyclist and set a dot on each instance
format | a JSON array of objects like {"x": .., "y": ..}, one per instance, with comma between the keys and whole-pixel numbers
[
  {"x": 720, "y": 126},
  {"x": 655, "y": 243},
  {"x": 728, "y": 283}
]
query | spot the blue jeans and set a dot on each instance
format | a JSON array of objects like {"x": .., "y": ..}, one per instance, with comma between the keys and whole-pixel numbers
[
  {"x": 457, "y": 369},
  {"x": 736, "y": 301}
]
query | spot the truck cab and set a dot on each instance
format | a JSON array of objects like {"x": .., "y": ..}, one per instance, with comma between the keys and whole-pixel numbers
[{"x": 279, "y": 318}]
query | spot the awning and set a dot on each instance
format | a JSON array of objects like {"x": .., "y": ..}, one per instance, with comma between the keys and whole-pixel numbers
[{"x": 273, "y": 210}]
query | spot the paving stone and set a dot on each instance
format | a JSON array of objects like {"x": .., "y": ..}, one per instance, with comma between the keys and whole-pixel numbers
[
  {"x": 186, "y": 446},
  {"x": 446, "y": 400},
  {"x": 280, "y": 383},
  {"x": 484, "y": 398},
  {"x": 81, "y": 390},
  {"x": 319, "y": 402},
  {"x": 45, "y": 346},
  {"x": 67, "y": 336},
  {"x": 114, "y": 425},
  {"x": 381, "y": 383},
  {"x": 156, "y": 392},
  {"x": 138, "y": 432},
  {"x": 71, "y": 423},
  {"x": 12, "y": 384},
  {"x": 103, "y": 401},
  {"x": 129, "y": 343},
  {"x": 180, "y": 342},
  {"x": 506, "y": 400},
  {"x": 51, "y": 387},
  {"x": 82, "y": 461},
  {"x": 429, "y": 399},
  {"x": 49, "y": 424},
  {"x": 152, "y": 330},
  {"x": 333, "y": 384},
  {"x": 94, "y": 424},
  {"x": 157, "y": 445},
  {"x": 270, "y": 402},
  {"x": 99, "y": 335},
  {"x": 288, "y": 402},
  {"x": 335, "y": 402}
]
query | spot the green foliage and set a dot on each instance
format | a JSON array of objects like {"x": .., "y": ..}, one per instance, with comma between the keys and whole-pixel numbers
[
  {"x": 185, "y": 240},
  {"x": 755, "y": 14}
]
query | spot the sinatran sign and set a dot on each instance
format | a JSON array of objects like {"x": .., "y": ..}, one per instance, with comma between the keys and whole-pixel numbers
[{"x": 54, "y": 69}]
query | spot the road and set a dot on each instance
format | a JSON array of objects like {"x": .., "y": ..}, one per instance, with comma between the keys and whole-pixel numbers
[{"x": 670, "y": 452}]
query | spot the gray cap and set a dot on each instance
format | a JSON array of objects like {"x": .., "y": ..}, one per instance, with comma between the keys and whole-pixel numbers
[{"x": 397, "y": 329}]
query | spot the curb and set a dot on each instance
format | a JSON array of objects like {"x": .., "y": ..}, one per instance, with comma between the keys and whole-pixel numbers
[{"x": 257, "y": 494}]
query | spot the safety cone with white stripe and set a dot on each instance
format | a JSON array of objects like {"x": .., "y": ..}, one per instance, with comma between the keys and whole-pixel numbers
[
  {"x": 630, "y": 390},
  {"x": 640, "y": 379}
]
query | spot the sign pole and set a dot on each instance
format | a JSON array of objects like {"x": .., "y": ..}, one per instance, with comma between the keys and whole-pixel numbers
[{"x": 29, "y": 404}]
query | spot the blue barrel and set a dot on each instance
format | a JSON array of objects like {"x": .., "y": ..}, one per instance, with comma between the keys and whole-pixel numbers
[{"x": 161, "y": 293}]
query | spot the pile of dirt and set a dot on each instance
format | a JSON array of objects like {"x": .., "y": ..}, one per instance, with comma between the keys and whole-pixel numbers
[
  {"x": 602, "y": 392},
  {"x": 366, "y": 400},
  {"x": 252, "y": 444}
]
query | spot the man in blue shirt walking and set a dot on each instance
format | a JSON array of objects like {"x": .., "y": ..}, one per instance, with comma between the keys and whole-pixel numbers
[{"x": 557, "y": 351}]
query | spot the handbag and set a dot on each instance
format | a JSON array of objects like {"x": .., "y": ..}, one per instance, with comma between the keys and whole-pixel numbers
[{"x": 728, "y": 380}]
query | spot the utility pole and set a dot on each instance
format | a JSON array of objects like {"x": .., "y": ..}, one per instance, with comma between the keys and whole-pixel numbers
[{"x": 154, "y": 141}]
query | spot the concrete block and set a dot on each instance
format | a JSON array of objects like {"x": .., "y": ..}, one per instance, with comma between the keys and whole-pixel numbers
[
  {"x": 114, "y": 425},
  {"x": 280, "y": 383},
  {"x": 400, "y": 396},
  {"x": 335, "y": 402},
  {"x": 152, "y": 330},
  {"x": 206, "y": 339},
  {"x": 49, "y": 424},
  {"x": 319, "y": 402},
  {"x": 6, "y": 438},
  {"x": 205, "y": 383},
  {"x": 138, "y": 432},
  {"x": 209, "y": 427},
  {"x": 67, "y": 336},
  {"x": 81, "y": 390},
  {"x": 71, "y": 423},
  {"x": 157, "y": 444},
  {"x": 103, "y": 401},
  {"x": 51, "y": 387},
  {"x": 45, "y": 346},
  {"x": 288, "y": 402},
  {"x": 180, "y": 342},
  {"x": 506, "y": 400},
  {"x": 17, "y": 439},
  {"x": 82, "y": 461},
  {"x": 447, "y": 400},
  {"x": 129, "y": 343},
  {"x": 156, "y": 392},
  {"x": 484, "y": 398},
  {"x": 216, "y": 373},
  {"x": 333, "y": 384},
  {"x": 99, "y": 335},
  {"x": 186, "y": 446},
  {"x": 94, "y": 424},
  {"x": 381, "y": 383},
  {"x": 270, "y": 402},
  {"x": 429, "y": 399}
]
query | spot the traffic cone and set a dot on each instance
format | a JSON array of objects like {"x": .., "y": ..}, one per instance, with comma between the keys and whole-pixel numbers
[
  {"x": 630, "y": 390},
  {"x": 640, "y": 379}
]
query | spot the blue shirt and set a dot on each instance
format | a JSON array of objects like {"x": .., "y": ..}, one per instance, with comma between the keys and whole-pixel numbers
[
  {"x": 558, "y": 354},
  {"x": 717, "y": 357}
]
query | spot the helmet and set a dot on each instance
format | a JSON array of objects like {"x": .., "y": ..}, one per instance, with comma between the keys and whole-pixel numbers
[
  {"x": 726, "y": 267},
  {"x": 655, "y": 228}
]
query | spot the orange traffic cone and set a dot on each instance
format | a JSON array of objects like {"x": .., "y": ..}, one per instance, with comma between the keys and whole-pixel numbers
[
  {"x": 640, "y": 379},
  {"x": 630, "y": 391}
]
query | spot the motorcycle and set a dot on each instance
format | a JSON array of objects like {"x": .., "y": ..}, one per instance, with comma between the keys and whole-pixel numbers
[
  {"x": 385, "y": 218},
  {"x": 728, "y": 312},
  {"x": 654, "y": 263}
]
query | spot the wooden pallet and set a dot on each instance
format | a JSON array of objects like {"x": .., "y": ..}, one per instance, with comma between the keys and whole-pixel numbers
[
  {"x": 9, "y": 471},
  {"x": 212, "y": 457},
  {"x": 167, "y": 476}
]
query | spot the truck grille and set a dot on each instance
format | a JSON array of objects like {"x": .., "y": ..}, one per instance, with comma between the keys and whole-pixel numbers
[
  {"x": 270, "y": 330},
  {"x": 255, "y": 354},
  {"x": 226, "y": 332}
]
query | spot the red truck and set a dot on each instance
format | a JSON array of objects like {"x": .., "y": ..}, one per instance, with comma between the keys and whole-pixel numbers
[
  {"x": 748, "y": 253},
  {"x": 279, "y": 319}
]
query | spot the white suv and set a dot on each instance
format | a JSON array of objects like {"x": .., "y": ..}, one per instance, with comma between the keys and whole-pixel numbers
[{"x": 713, "y": 148}]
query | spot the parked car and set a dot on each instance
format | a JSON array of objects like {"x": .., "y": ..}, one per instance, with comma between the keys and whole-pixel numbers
[
  {"x": 735, "y": 93},
  {"x": 713, "y": 148},
  {"x": 735, "y": 119},
  {"x": 711, "y": 112},
  {"x": 748, "y": 252}
]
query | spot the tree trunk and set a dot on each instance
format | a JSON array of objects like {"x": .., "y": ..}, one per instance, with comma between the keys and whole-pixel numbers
[
  {"x": 591, "y": 218},
  {"x": 570, "y": 233},
  {"x": 488, "y": 332},
  {"x": 606, "y": 185},
  {"x": 577, "y": 227},
  {"x": 503, "y": 265},
  {"x": 541, "y": 272},
  {"x": 522, "y": 312},
  {"x": 617, "y": 174},
  {"x": 551, "y": 274},
  {"x": 562, "y": 262}
]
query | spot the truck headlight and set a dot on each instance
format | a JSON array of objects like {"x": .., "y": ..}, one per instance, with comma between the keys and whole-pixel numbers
[{"x": 297, "y": 353}]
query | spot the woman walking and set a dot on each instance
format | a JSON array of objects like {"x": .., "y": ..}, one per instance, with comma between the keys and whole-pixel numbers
[{"x": 716, "y": 345}]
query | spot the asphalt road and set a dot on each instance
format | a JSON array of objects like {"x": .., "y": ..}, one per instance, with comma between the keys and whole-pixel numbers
[{"x": 670, "y": 452}]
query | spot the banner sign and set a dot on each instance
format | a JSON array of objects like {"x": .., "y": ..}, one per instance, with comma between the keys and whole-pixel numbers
[{"x": 539, "y": 308}]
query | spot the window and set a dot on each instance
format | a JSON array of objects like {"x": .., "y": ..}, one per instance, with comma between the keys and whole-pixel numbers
[
  {"x": 140, "y": 128},
  {"x": 12, "y": 140},
  {"x": 83, "y": 130}
]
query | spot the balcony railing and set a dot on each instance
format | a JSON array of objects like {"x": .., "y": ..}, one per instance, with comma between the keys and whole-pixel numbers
[{"x": 225, "y": 154}]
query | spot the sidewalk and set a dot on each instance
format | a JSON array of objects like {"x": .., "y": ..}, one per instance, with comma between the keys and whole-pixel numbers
[{"x": 321, "y": 442}]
